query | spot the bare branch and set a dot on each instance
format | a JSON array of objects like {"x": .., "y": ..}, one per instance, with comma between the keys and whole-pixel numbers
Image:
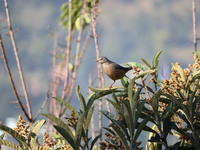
[
  {"x": 101, "y": 81},
  {"x": 194, "y": 24},
  {"x": 67, "y": 59},
  {"x": 77, "y": 54},
  {"x": 18, "y": 60},
  {"x": 12, "y": 81}
]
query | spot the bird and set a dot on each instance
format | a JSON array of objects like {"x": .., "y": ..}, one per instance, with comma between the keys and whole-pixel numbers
[{"x": 113, "y": 70}]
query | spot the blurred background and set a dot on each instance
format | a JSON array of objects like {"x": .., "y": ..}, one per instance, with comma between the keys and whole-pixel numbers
[{"x": 129, "y": 29}]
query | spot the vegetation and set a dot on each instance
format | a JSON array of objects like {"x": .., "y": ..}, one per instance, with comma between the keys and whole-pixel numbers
[
  {"x": 160, "y": 108},
  {"x": 172, "y": 109}
]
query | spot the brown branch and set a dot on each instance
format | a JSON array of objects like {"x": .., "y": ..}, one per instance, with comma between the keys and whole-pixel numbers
[
  {"x": 69, "y": 39},
  {"x": 12, "y": 81},
  {"x": 101, "y": 81},
  {"x": 84, "y": 48},
  {"x": 53, "y": 106},
  {"x": 77, "y": 54},
  {"x": 194, "y": 24},
  {"x": 18, "y": 60}
]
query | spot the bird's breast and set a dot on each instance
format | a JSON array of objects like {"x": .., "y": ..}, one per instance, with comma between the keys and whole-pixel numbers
[{"x": 112, "y": 72}]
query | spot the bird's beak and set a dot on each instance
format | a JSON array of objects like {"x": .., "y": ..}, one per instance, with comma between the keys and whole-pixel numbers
[{"x": 96, "y": 61}]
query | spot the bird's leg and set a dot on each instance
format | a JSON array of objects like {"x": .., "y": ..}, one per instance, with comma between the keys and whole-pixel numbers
[{"x": 111, "y": 85}]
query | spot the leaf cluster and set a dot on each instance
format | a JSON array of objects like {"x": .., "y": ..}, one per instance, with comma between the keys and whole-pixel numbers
[{"x": 142, "y": 105}]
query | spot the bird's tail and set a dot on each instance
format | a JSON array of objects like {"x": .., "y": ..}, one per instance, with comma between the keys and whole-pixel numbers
[{"x": 129, "y": 68}]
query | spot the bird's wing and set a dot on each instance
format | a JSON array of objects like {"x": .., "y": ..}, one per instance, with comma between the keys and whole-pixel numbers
[{"x": 117, "y": 66}]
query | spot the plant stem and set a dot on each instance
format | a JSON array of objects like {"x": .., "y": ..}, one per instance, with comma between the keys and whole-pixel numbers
[
  {"x": 18, "y": 60},
  {"x": 194, "y": 24},
  {"x": 12, "y": 81}
]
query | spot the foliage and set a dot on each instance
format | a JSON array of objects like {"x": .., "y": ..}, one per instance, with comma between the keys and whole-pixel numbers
[
  {"x": 168, "y": 108},
  {"x": 77, "y": 13},
  {"x": 76, "y": 131}
]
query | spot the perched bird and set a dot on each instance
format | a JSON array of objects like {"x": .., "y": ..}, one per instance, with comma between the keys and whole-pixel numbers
[{"x": 112, "y": 69}]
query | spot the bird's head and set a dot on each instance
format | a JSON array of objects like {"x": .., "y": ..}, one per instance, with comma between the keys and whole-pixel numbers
[{"x": 102, "y": 60}]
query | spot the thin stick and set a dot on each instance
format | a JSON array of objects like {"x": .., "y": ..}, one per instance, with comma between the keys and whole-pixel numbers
[
  {"x": 12, "y": 81},
  {"x": 68, "y": 49},
  {"x": 18, "y": 60},
  {"x": 101, "y": 81},
  {"x": 77, "y": 55},
  {"x": 194, "y": 24},
  {"x": 84, "y": 48}
]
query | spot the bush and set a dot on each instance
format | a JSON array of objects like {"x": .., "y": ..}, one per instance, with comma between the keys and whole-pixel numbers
[{"x": 171, "y": 107}]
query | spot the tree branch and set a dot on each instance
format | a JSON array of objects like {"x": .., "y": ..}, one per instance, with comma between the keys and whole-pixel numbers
[
  {"x": 18, "y": 60},
  {"x": 194, "y": 24},
  {"x": 12, "y": 81}
]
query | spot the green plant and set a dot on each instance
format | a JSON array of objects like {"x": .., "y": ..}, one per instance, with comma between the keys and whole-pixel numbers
[
  {"x": 76, "y": 14},
  {"x": 76, "y": 130},
  {"x": 26, "y": 136},
  {"x": 144, "y": 104}
]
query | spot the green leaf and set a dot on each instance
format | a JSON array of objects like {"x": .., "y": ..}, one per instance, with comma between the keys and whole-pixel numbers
[
  {"x": 87, "y": 18},
  {"x": 181, "y": 131},
  {"x": 155, "y": 60},
  {"x": 105, "y": 89},
  {"x": 86, "y": 143},
  {"x": 167, "y": 126},
  {"x": 67, "y": 105},
  {"x": 2, "y": 136},
  {"x": 136, "y": 64},
  {"x": 10, "y": 144},
  {"x": 128, "y": 117},
  {"x": 15, "y": 135},
  {"x": 146, "y": 63},
  {"x": 79, "y": 126},
  {"x": 94, "y": 141},
  {"x": 167, "y": 112},
  {"x": 114, "y": 97},
  {"x": 67, "y": 136},
  {"x": 184, "y": 118},
  {"x": 130, "y": 89},
  {"x": 78, "y": 23},
  {"x": 81, "y": 99},
  {"x": 140, "y": 128},
  {"x": 195, "y": 106},
  {"x": 180, "y": 71},
  {"x": 95, "y": 96},
  {"x": 110, "y": 130},
  {"x": 142, "y": 74},
  {"x": 33, "y": 134},
  {"x": 121, "y": 126},
  {"x": 155, "y": 100},
  {"x": 115, "y": 105},
  {"x": 139, "y": 110},
  {"x": 124, "y": 81},
  {"x": 146, "y": 128},
  {"x": 60, "y": 123},
  {"x": 89, "y": 116},
  {"x": 122, "y": 137}
]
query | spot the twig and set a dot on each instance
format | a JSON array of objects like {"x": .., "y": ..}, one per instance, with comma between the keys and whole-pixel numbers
[
  {"x": 67, "y": 59},
  {"x": 101, "y": 80},
  {"x": 18, "y": 60},
  {"x": 194, "y": 24},
  {"x": 42, "y": 106},
  {"x": 70, "y": 88},
  {"x": 53, "y": 106},
  {"x": 82, "y": 53},
  {"x": 12, "y": 81}
]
